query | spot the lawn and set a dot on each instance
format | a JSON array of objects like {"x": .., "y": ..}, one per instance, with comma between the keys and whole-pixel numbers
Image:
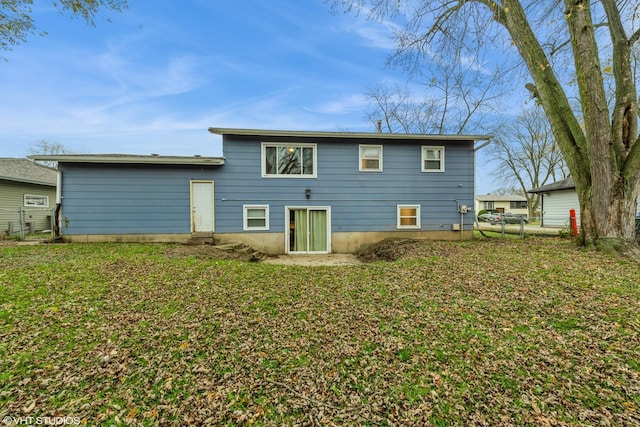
[{"x": 485, "y": 332}]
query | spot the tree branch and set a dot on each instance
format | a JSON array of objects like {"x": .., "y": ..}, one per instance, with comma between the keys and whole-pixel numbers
[{"x": 634, "y": 38}]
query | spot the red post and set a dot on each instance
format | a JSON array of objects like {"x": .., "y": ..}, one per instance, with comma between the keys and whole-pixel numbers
[{"x": 573, "y": 222}]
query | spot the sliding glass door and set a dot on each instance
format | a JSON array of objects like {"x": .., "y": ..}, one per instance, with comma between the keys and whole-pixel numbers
[{"x": 308, "y": 230}]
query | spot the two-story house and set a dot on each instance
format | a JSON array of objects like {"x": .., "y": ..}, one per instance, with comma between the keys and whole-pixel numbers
[{"x": 277, "y": 191}]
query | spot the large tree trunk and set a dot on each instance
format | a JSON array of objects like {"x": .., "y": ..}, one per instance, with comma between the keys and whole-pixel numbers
[
  {"x": 612, "y": 227},
  {"x": 600, "y": 156}
]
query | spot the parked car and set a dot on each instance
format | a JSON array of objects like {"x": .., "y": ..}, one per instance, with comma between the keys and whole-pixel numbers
[
  {"x": 492, "y": 218},
  {"x": 497, "y": 218},
  {"x": 510, "y": 218}
]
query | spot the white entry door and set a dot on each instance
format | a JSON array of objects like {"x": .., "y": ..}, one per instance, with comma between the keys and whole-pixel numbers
[{"x": 201, "y": 206}]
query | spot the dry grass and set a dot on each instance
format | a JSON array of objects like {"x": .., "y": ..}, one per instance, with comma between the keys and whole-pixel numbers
[{"x": 496, "y": 332}]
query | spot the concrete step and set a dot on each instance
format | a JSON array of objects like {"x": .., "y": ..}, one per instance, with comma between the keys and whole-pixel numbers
[{"x": 239, "y": 247}]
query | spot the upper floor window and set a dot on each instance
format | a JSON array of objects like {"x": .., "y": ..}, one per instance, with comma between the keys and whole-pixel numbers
[
  {"x": 432, "y": 159},
  {"x": 36, "y": 201},
  {"x": 288, "y": 160},
  {"x": 488, "y": 206},
  {"x": 518, "y": 205},
  {"x": 371, "y": 158}
]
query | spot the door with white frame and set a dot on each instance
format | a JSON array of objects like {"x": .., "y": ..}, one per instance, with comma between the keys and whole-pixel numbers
[
  {"x": 308, "y": 230},
  {"x": 202, "y": 206}
]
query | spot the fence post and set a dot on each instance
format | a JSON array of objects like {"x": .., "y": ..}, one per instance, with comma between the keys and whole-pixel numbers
[
  {"x": 21, "y": 223},
  {"x": 52, "y": 223}
]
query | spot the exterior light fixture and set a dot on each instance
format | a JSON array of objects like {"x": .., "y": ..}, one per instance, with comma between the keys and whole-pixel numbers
[{"x": 307, "y": 192}]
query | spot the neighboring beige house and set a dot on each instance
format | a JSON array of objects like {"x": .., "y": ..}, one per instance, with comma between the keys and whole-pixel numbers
[
  {"x": 27, "y": 192},
  {"x": 511, "y": 203}
]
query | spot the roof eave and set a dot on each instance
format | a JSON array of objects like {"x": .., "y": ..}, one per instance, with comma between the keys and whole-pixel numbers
[
  {"x": 565, "y": 184},
  {"x": 27, "y": 181},
  {"x": 354, "y": 135},
  {"x": 125, "y": 159}
]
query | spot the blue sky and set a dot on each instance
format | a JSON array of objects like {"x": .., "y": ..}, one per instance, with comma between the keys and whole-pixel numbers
[{"x": 156, "y": 77}]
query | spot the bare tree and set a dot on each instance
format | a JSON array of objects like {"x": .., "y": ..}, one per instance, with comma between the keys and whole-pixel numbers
[
  {"x": 506, "y": 191},
  {"x": 561, "y": 43},
  {"x": 399, "y": 112},
  {"x": 527, "y": 155},
  {"x": 445, "y": 97},
  {"x": 46, "y": 148}
]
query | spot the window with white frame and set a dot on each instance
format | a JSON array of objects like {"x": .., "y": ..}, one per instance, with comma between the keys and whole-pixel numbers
[
  {"x": 255, "y": 217},
  {"x": 408, "y": 216},
  {"x": 370, "y": 158},
  {"x": 36, "y": 201},
  {"x": 488, "y": 206},
  {"x": 293, "y": 160},
  {"x": 432, "y": 159}
]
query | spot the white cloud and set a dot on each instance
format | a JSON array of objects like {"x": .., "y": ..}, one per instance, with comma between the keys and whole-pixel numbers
[
  {"x": 376, "y": 34},
  {"x": 345, "y": 104}
]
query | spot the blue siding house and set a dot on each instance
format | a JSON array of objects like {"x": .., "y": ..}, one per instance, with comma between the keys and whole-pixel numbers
[{"x": 277, "y": 191}]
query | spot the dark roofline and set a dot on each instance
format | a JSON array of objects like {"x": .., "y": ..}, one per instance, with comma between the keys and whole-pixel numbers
[
  {"x": 500, "y": 198},
  {"x": 565, "y": 184},
  {"x": 132, "y": 159},
  {"x": 353, "y": 135},
  {"x": 27, "y": 181}
]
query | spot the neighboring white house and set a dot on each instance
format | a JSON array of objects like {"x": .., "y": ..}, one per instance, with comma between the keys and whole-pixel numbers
[
  {"x": 556, "y": 200},
  {"x": 511, "y": 203}
]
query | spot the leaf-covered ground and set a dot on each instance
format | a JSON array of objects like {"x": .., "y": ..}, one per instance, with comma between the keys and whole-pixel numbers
[{"x": 488, "y": 332}]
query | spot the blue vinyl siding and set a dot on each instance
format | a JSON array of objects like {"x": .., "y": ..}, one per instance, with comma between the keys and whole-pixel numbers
[
  {"x": 126, "y": 199},
  {"x": 146, "y": 199},
  {"x": 360, "y": 201}
]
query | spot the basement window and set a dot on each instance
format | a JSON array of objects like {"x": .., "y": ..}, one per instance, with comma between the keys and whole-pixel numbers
[
  {"x": 408, "y": 216},
  {"x": 255, "y": 217}
]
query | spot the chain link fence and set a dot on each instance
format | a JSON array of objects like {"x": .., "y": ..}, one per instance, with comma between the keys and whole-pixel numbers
[{"x": 27, "y": 223}]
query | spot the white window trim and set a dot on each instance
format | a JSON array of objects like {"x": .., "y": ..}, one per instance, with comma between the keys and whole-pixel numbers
[
  {"x": 245, "y": 217},
  {"x": 422, "y": 157},
  {"x": 413, "y": 227},
  {"x": 360, "y": 147},
  {"x": 286, "y": 144},
  {"x": 45, "y": 198}
]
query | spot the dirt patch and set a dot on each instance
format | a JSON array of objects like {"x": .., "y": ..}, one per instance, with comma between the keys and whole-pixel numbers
[
  {"x": 390, "y": 250},
  {"x": 240, "y": 253}
]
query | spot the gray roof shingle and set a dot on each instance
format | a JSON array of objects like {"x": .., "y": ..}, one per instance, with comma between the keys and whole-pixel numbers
[
  {"x": 500, "y": 198},
  {"x": 565, "y": 184},
  {"x": 25, "y": 170}
]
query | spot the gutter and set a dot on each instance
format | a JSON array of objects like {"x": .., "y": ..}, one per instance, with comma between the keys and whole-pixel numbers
[
  {"x": 153, "y": 159},
  {"x": 347, "y": 135}
]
